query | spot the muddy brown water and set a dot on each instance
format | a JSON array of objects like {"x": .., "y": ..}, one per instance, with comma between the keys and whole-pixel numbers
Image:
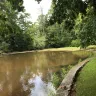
[{"x": 30, "y": 74}]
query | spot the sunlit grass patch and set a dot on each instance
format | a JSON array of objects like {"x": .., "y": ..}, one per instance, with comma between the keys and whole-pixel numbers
[
  {"x": 86, "y": 81},
  {"x": 69, "y": 48},
  {"x": 62, "y": 49},
  {"x": 92, "y": 47}
]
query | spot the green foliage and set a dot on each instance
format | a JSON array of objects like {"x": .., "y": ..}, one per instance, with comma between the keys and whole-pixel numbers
[
  {"x": 38, "y": 32},
  {"x": 84, "y": 28},
  {"x": 92, "y": 3},
  {"x": 75, "y": 25},
  {"x": 17, "y": 4},
  {"x": 75, "y": 43},
  {"x": 55, "y": 80},
  {"x": 19, "y": 42},
  {"x": 4, "y": 46},
  {"x": 78, "y": 18},
  {"x": 87, "y": 32},
  {"x": 39, "y": 42},
  {"x": 38, "y": 36},
  {"x": 67, "y": 9},
  {"x": 42, "y": 19},
  {"x": 78, "y": 22},
  {"x": 13, "y": 29},
  {"x": 59, "y": 76},
  {"x": 57, "y": 36}
]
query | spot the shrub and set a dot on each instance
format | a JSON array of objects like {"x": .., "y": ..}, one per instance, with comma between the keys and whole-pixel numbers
[{"x": 75, "y": 43}]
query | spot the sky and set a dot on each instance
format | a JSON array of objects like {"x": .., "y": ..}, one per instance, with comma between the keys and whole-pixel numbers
[{"x": 33, "y": 8}]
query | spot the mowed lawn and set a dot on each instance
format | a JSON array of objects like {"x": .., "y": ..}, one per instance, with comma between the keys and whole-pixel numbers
[{"x": 86, "y": 81}]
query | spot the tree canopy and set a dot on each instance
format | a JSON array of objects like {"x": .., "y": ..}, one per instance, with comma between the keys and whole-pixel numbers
[
  {"x": 17, "y": 4},
  {"x": 68, "y": 23}
]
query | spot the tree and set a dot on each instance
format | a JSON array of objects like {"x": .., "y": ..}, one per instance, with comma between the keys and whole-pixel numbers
[
  {"x": 66, "y": 9},
  {"x": 41, "y": 22},
  {"x": 13, "y": 27},
  {"x": 58, "y": 36},
  {"x": 85, "y": 28},
  {"x": 92, "y": 3},
  {"x": 17, "y": 5}
]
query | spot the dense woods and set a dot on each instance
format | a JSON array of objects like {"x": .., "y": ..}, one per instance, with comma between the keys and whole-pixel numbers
[{"x": 68, "y": 23}]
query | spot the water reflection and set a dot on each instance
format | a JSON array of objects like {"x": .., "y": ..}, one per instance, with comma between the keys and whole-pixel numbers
[
  {"x": 41, "y": 88},
  {"x": 30, "y": 74}
]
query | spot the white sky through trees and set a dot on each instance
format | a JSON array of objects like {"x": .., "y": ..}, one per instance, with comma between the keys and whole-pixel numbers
[{"x": 33, "y": 8}]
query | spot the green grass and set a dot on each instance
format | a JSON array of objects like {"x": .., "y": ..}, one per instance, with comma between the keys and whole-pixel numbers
[
  {"x": 86, "y": 81},
  {"x": 69, "y": 48},
  {"x": 91, "y": 47},
  {"x": 62, "y": 49}
]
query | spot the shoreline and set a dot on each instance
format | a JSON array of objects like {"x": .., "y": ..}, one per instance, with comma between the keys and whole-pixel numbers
[
  {"x": 44, "y": 50},
  {"x": 65, "y": 88}
]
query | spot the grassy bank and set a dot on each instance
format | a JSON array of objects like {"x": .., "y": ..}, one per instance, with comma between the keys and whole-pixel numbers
[
  {"x": 90, "y": 48},
  {"x": 44, "y": 50},
  {"x": 60, "y": 75},
  {"x": 93, "y": 47},
  {"x": 62, "y": 49},
  {"x": 86, "y": 81}
]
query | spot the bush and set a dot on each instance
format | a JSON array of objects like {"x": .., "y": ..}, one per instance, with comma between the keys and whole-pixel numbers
[
  {"x": 75, "y": 43},
  {"x": 60, "y": 75},
  {"x": 57, "y": 36},
  {"x": 4, "y": 46}
]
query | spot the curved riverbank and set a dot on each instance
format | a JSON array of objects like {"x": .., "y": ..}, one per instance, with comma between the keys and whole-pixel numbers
[
  {"x": 66, "y": 85},
  {"x": 51, "y": 49},
  {"x": 45, "y": 50},
  {"x": 86, "y": 80}
]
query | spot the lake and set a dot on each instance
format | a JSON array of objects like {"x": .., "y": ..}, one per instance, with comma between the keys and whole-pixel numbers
[{"x": 30, "y": 74}]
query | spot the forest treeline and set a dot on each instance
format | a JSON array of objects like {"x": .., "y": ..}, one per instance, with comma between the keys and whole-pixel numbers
[{"x": 68, "y": 23}]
